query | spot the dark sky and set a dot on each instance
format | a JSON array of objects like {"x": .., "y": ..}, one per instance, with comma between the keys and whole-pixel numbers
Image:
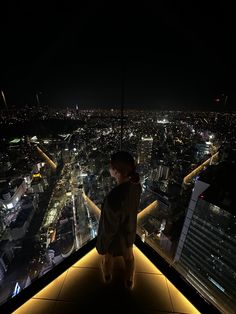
[{"x": 173, "y": 55}]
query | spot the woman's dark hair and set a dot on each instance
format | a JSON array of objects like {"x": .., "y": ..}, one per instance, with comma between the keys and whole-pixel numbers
[{"x": 124, "y": 163}]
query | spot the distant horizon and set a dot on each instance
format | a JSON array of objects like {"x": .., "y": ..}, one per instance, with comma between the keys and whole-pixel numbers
[
  {"x": 106, "y": 97},
  {"x": 117, "y": 107}
]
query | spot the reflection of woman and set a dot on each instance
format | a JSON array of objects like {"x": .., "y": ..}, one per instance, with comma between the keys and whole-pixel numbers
[{"x": 118, "y": 221}]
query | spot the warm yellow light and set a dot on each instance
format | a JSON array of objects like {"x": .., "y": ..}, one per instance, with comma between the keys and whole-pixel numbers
[
  {"x": 50, "y": 162},
  {"x": 196, "y": 171},
  {"x": 146, "y": 272},
  {"x": 180, "y": 303},
  {"x": 147, "y": 210},
  {"x": 50, "y": 292},
  {"x": 37, "y": 175}
]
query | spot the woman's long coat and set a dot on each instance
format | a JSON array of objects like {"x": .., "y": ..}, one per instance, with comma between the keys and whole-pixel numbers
[{"x": 118, "y": 220}]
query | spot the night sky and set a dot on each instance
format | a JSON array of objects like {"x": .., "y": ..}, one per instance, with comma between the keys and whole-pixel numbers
[{"x": 170, "y": 55}]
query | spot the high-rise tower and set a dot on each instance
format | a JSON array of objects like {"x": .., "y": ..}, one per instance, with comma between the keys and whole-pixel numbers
[
  {"x": 145, "y": 151},
  {"x": 206, "y": 252}
]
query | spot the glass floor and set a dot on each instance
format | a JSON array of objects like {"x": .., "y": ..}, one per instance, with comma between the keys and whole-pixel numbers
[{"x": 80, "y": 289}]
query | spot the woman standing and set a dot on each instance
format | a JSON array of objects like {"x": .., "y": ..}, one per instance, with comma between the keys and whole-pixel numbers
[{"x": 118, "y": 221}]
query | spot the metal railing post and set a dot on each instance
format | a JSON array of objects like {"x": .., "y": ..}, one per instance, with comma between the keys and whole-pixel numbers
[{"x": 122, "y": 105}]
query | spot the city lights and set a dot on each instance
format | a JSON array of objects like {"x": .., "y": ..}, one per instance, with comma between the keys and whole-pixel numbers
[{"x": 63, "y": 177}]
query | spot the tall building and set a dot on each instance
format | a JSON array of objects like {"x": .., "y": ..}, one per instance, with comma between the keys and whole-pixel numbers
[
  {"x": 161, "y": 172},
  {"x": 66, "y": 155},
  {"x": 206, "y": 252},
  {"x": 12, "y": 195},
  {"x": 202, "y": 150},
  {"x": 145, "y": 151}
]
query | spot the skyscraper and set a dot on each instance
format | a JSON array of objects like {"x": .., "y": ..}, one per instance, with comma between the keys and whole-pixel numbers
[
  {"x": 145, "y": 151},
  {"x": 206, "y": 252}
]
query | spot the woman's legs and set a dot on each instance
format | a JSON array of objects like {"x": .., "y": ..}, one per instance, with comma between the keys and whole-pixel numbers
[
  {"x": 129, "y": 267},
  {"x": 107, "y": 266}
]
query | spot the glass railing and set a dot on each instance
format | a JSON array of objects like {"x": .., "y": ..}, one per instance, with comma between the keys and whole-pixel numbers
[
  {"x": 53, "y": 183},
  {"x": 190, "y": 218}
]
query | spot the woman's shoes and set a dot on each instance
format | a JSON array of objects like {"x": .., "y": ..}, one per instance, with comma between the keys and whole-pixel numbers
[
  {"x": 107, "y": 278},
  {"x": 129, "y": 284}
]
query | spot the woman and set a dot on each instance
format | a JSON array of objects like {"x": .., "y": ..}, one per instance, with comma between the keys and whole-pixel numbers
[{"x": 118, "y": 221}]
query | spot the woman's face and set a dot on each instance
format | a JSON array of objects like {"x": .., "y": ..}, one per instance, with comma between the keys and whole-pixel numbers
[{"x": 112, "y": 171}]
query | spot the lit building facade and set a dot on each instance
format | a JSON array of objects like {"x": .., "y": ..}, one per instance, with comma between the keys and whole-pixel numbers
[
  {"x": 145, "y": 151},
  {"x": 10, "y": 198},
  {"x": 206, "y": 251}
]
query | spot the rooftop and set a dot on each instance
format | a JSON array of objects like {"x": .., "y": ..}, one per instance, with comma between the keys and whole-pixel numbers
[{"x": 80, "y": 289}]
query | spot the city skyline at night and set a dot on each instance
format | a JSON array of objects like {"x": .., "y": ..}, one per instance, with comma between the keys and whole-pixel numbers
[
  {"x": 54, "y": 177},
  {"x": 78, "y": 83}
]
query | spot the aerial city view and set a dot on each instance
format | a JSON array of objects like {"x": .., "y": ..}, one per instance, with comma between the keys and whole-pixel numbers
[
  {"x": 79, "y": 83},
  {"x": 54, "y": 176}
]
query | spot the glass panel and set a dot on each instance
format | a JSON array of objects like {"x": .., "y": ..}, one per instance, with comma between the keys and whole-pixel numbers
[
  {"x": 47, "y": 169},
  {"x": 54, "y": 177},
  {"x": 187, "y": 211}
]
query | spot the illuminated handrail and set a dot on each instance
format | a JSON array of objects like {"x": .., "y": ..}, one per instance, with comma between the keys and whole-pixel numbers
[
  {"x": 92, "y": 204},
  {"x": 51, "y": 163},
  {"x": 199, "y": 168},
  {"x": 147, "y": 209},
  {"x": 144, "y": 212}
]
